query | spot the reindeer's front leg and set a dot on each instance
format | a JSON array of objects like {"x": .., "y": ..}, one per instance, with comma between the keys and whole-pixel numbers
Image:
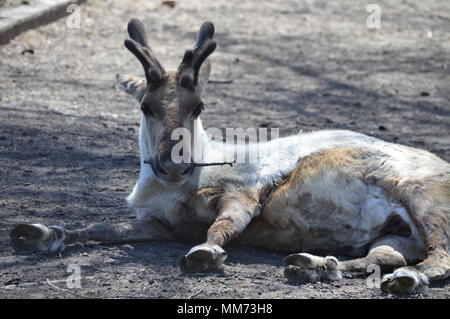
[
  {"x": 29, "y": 238},
  {"x": 235, "y": 213}
]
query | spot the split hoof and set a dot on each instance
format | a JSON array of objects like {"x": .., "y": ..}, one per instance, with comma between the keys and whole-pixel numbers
[
  {"x": 30, "y": 238},
  {"x": 404, "y": 281},
  {"x": 203, "y": 258}
]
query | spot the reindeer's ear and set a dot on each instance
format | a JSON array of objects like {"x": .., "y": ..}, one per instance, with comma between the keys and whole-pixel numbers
[
  {"x": 133, "y": 85},
  {"x": 203, "y": 76}
]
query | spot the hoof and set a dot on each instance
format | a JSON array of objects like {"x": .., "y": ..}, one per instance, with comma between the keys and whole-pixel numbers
[
  {"x": 29, "y": 238},
  {"x": 404, "y": 281},
  {"x": 203, "y": 258},
  {"x": 306, "y": 268}
]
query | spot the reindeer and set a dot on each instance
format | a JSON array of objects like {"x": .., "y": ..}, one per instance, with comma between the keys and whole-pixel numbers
[{"x": 324, "y": 193}]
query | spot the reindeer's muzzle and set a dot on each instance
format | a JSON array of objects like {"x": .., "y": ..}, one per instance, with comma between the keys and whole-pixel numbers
[{"x": 170, "y": 172}]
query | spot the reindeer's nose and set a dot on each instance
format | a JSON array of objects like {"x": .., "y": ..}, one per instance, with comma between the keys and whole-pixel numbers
[
  {"x": 170, "y": 171},
  {"x": 175, "y": 170}
]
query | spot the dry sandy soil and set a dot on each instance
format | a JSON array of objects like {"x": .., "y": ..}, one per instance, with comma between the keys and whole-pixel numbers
[{"x": 68, "y": 138}]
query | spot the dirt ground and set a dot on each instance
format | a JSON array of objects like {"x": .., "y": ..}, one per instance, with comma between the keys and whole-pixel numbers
[{"x": 68, "y": 138}]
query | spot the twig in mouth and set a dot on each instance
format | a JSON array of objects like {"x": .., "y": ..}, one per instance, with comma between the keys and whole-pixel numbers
[
  {"x": 215, "y": 164},
  {"x": 150, "y": 162}
]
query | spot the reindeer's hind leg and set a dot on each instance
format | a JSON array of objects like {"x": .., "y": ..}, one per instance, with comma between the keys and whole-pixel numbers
[
  {"x": 432, "y": 214},
  {"x": 27, "y": 238},
  {"x": 428, "y": 203},
  {"x": 388, "y": 253}
]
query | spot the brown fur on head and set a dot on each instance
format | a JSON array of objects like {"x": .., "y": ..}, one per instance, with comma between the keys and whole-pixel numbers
[{"x": 169, "y": 99}]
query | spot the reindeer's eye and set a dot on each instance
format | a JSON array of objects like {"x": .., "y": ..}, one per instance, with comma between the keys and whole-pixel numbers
[
  {"x": 198, "y": 110},
  {"x": 146, "y": 110}
]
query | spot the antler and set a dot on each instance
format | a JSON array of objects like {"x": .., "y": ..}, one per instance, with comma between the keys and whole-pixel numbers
[
  {"x": 193, "y": 59},
  {"x": 137, "y": 45}
]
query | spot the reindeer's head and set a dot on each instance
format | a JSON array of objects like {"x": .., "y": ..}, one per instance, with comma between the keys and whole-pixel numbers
[{"x": 168, "y": 99}]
